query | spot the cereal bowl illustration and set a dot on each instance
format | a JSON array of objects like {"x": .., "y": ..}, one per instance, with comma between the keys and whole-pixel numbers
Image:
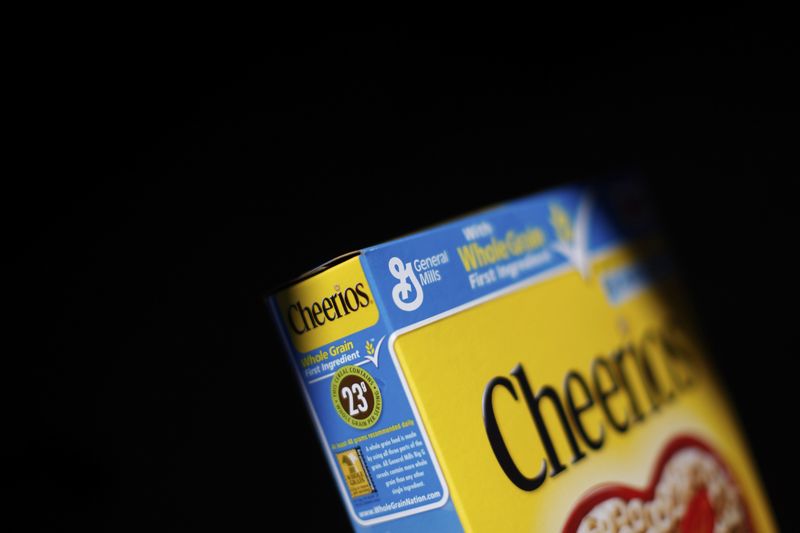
[{"x": 691, "y": 491}]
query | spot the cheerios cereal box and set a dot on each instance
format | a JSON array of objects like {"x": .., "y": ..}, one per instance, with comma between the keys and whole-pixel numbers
[{"x": 531, "y": 367}]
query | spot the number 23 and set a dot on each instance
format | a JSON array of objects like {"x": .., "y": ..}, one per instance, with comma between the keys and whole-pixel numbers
[{"x": 356, "y": 392}]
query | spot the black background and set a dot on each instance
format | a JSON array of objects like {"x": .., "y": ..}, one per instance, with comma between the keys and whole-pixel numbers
[{"x": 143, "y": 376}]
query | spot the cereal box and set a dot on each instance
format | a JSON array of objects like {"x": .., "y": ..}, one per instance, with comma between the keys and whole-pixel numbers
[{"x": 531, "y": 367}]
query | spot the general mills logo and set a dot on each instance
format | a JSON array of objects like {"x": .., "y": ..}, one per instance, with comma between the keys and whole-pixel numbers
[{"x": 401, "y": 292}]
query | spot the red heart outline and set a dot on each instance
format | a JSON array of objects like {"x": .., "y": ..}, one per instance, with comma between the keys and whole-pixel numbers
[{"x": 607, "y": 491}]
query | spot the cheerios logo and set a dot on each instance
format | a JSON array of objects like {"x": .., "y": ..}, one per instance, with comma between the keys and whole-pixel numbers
[
  {"x": 303, "y": 318},
  {"x": 328, "y": 306}
]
